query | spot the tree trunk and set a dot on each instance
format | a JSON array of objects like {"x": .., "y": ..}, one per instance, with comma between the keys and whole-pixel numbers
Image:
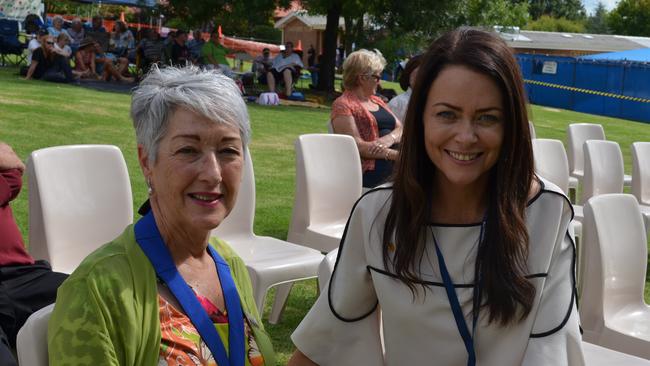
[{"x": 326, "y": 77}]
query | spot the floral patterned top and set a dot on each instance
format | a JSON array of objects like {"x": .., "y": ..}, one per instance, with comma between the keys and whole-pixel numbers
[{"x": 181, "y": 343}]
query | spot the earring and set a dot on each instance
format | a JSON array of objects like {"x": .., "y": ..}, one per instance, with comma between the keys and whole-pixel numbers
[{"x": 149, "y": 188}]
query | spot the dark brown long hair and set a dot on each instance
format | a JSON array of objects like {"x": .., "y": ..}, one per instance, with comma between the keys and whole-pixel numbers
[{"x": 501, "y": 258}]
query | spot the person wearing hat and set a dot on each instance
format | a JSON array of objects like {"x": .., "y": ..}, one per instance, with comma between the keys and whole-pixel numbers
[{"x": 84, "y": 64}]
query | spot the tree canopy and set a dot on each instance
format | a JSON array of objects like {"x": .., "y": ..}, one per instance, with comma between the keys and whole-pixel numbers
[{"x": 631, "y": 17}]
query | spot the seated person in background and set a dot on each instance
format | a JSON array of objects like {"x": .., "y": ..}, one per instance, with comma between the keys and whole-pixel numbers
[
  {"x": 214, "y": 55},
  {"x": 48, "y": 65},
  {"x": 406, "y": 81},
  {"x": 105, "y": 64},
  {"x": 57, "y": 27},
  {"x": 169, "y": 42},
  {"x": 196, "y": 46},
  {"x": 61, "y": 46},
  {"x": 25, "y": 285},
  {"x": 96, "y": 25},
  {"x": 77, "y": 34},
  {"x": 286, "y": 67},
  {"x": 180, "y": 54},
  {"x": 121, "y": 40},
  {"x": 36, "y": 43},
  {"x": 314, "y": 71},
  {"x": 150, "y": 48},
  {"x": 120, "y": 307},
  {"x": 364, "y": 116},
  {"x": 84, "y": 65},
  {"x": 262, "y": 65}
]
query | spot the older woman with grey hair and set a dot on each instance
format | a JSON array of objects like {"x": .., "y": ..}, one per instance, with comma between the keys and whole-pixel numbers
[
  {"x": 57, "y": 27},
  {"x": 166, "y": 292}
]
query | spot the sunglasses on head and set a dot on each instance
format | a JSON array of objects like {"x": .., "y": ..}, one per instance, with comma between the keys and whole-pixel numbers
[{"x": 50, "y": 42}]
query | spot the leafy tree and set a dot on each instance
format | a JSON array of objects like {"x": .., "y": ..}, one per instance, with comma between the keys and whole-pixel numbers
[
  {"x": 548, "y": 24},
  {"x": 569, "y": 9},
  {"x": 631, "y": 17},
  {"x": 597, "y": 22},
  {"x": 496, "y": 12}
]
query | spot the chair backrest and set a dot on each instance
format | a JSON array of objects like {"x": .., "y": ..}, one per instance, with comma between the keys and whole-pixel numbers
[
  {"x": 31, "y": 342},
  {"x": 577, "y": 134},
  {"x": 531, "y": 126},
  {"x": 614, "y": 246},
  {"x": 240, "y": 220},
  {"x": 79, "y": 198},
  {"x": 9, "y": 28},
  {"x": 328, "y": 181},
  {"x": 551, "y": 162},
  {"x": 641, "y": 172},
  {"x": 603, "y": 169}
]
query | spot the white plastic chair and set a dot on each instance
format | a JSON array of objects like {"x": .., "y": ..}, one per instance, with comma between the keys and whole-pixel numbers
[
  {"x": 603, "y": 166},
  {"x": 270, "y": 261},
  {"x": 577, "y": 134},
  {"x": 79, "y": 198},
  {"x": 641, "y": 177},
  {"x": 551, "y": 163},
  {"x": 601, "y": 356},
  {"x": 612, "y": 309},
  {"x": 31, "y": 342},
  {"x": 328, "y": 182}
]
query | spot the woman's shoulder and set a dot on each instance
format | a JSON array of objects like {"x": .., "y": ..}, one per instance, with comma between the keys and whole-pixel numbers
[{"x": 545, "y": 190}]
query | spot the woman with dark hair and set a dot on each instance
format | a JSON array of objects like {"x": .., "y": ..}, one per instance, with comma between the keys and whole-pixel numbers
[
  {"x": 407, "y": 79},
  {"x": 468, "y": 254}
]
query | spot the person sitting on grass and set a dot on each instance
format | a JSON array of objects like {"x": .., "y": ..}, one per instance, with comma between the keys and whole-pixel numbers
[
  {"x": 61, "y": 46},
  {"x": 122, "y": 39},
  {"x": 84, "y": 65},
  {"x": 150, "y": 49},
  {"x": 180, "y": 54},
  {"x": 214, "y": 55},
  {"x": 196, "y": 47},
  {"x": 286, "y": 67},
  {"x": 48, "y": 65},
  {"x": 105, "y": 64},
  {"x": 77, "y": 34},
  {"x": 57, "y": 27}
]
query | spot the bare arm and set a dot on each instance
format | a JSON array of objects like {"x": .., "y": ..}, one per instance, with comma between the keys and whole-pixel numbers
[
  {"x": 299, "y": 359},
  {"x": 9, "y": 159},
  {"x": 31, "y": 69},
  {"x": 93, "y": 66},
  {"x": 378, "y": 149}
]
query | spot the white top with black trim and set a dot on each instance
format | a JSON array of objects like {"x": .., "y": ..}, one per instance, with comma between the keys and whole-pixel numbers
[{"x": 342, "y": 327}]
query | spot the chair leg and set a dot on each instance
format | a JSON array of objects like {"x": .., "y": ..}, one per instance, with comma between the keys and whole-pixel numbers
[{"x": 281, "y": 295}]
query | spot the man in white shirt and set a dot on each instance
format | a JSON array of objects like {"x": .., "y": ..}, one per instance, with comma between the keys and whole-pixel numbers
[{"x": 286, "y": 66}]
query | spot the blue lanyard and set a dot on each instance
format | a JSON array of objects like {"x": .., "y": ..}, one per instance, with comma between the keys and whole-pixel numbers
[
  {"x": 149, "y": 239},
  {"x": 456, "y": 309}
]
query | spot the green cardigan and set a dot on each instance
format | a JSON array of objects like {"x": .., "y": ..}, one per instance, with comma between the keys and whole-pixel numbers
[{"x": 106, "y": 312}]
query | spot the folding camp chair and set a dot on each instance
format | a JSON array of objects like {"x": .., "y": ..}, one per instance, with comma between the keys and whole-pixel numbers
[{"x": 9, "y": 42}]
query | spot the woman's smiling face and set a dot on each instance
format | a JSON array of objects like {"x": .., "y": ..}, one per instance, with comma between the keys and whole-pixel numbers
[
  {"x": 197, "y": 172},
  {"x": 463, "y": 126}
]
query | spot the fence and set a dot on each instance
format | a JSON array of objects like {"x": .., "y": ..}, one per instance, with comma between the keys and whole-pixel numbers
[{"x": 618, "y": 89}]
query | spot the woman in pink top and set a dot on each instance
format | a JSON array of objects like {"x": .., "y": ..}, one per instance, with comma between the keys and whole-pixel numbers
[{"x": 364, "y": 116}]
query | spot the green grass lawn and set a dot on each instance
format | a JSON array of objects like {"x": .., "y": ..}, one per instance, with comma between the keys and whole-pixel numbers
[{"x": 35, "y": 114}]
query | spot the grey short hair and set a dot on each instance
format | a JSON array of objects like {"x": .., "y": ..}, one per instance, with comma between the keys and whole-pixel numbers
[
  {"x": 207, "y": 93},
  {"x": 57, "y": 18}
]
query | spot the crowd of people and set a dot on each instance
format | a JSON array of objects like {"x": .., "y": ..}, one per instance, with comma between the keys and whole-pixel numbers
[
  {"x": 89, "y": 51},
  {"x": 466, "y": 252}
]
